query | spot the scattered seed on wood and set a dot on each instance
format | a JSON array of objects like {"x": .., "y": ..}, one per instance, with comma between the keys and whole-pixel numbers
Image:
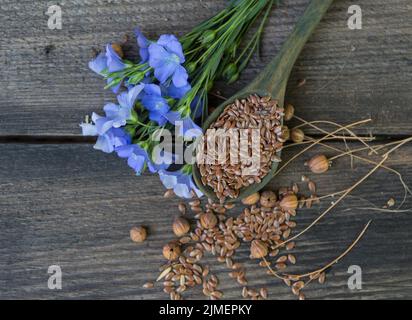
[
  {"x": 280, "y": 266},
  {"x": 312, "y": 187},
  {"x": 281, "y": 259},
  {"x": 290, "y": 245},
  {"x": 244, "y": 292},
  {"x": 148, "y": 285},
  {"x": 164, "y": 273},
  {"x": 264, "y": 293},
  {"x": 391, "y": 202},
  {"x": 322, "y": 278},
  {"x": 169, "y": 193},
  {"x": 182, "y": 207}
]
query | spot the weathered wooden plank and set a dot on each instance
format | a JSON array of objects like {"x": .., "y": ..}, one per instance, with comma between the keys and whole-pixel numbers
[
  {"x": 46, "y": 87},
  {"x": 72, "y": 206}
]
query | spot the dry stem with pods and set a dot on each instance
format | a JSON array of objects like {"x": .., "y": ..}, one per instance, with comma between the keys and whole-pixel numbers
[{"x": 266, "y": 223}]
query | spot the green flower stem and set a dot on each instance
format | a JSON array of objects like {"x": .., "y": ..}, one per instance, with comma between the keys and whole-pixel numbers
[{"x": 254, "y": 43}]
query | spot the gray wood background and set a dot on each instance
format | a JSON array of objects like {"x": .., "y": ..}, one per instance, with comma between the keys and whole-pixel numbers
[{"x": 63, "y": 203}]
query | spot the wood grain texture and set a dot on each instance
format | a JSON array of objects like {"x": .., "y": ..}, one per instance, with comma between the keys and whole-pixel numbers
[
  {"x": 72, "y": 206},
  {"x": 46, "y": 87}
]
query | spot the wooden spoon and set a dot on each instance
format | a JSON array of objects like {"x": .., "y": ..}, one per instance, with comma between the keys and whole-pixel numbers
[{"x": 271, "y": 82}]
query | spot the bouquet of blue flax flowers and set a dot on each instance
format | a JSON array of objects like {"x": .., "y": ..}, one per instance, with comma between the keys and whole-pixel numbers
[{"x": 167, "y": 90}]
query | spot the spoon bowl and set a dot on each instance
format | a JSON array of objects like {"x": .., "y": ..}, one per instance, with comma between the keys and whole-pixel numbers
[{"x": 271, "y": 82}]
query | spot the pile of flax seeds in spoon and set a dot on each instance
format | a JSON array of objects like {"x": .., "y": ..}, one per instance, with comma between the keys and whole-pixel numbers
[
  {"x": 228, "y": 175},
  {"x": 264, "y": 224}
]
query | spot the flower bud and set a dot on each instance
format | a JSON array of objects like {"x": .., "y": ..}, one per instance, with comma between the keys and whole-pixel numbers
[
  {"x": 208, "y": 220},
  {"x": 258, "y": 249},
  {"x": 138, "y": 234},
  {"x": 268, "y": 199},
  {"x": 180, "y": 226},
  {"x": 252, "y": 199},
  {"x": 230, "y": 71},
  {"x": 172, "y": 251},
  {"x": 210, "y": 85},
  {"x": 297, "y": 135},
  {"x": 289, "y": 202},
  {"x": 318, "y": 164},
  {"x": 234, "y": 78},
  {"x": 191, "y": 67},
  {"x": 289, "y": 112},
  {"x": 208, "y": 36},
  {"x": 284, "y": 134}
]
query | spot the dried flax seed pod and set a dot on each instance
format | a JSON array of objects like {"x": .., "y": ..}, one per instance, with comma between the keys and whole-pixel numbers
[
  {"x": 252, "y": 199},
  {"x": 297, "y": 135},
  {"x": 318, "y": 164},
  {"x": 208, "y": 220},
  {"x": 289, "y": 112},
  {"x": 180, "y": 226},
  {"x": 138, "y": 234},
  {"x": 268, "y": 199},
  {"x": 172, "y": 251},
  {"x": 258, "y": 249},
  {"x": 289, "y": 202}
]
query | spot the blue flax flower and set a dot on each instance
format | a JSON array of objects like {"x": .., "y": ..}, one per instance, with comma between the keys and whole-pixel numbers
[
  {"x": 114, "y": 61},
  {"x": 187, "y": 128},
  {"x": 99, "y": 64},
  {"x": 181, "y": 183},
  {"x": 117, "y": 115},
  {"x": 110, "y": 140},
  {"x": 108, "y": 61},
  {"x": 143, "y": 44},
  {"x": 136, "y": 156},
  {"x": 153, "y": 101},
  {"x": 177, "y": 93},
  {"x": 166, "y": 57}
]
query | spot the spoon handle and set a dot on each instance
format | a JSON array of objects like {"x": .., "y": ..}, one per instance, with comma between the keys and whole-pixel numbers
[{"x": 274, "y": 77}]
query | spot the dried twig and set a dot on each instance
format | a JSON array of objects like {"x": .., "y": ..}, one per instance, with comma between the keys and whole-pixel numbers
[
  {"x": 349, "y": 190},
  {"x": 336, "y": 260},
  {"x": 354, "y": 136},
  {"x": 318, "y": 141}
]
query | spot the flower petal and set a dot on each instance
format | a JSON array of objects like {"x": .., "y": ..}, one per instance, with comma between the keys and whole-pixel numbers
[
  {"x": 143, "y": 44},
  {"x": 158, "y": 55},
  {"x": 172, "y": 44},
  {"x": 88, "y": 129},
  {"x": 128, "y": 99},
  {"x": 155, "y": 103},
  {"x": 178, "y": 93},
  {"x": 103, "y": 125},
  {"x": 136, "y": 161},
  {"x": 158, "y": 117},
  {"x": 111, "y": 110},
  {"x": 180, "y": 77},
  {"x": 125, "y": 151},
  {"x": 173, "y": 116},
  {"x": 168, "y": 179},
  {"x": 164, "y": 72},
  {"x": 153, "y": 89},
  {"x": 99, "y": 64},
  {"x": 114, "y": 62},
  {"x": 104, "y": 144}
]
